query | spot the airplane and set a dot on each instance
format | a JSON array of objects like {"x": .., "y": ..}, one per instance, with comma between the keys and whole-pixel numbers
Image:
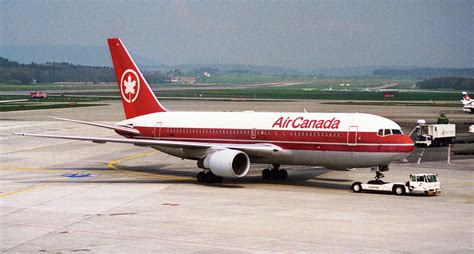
[
  {"x": 468, "y": 103},
  {"x": 224, "y": 144}
]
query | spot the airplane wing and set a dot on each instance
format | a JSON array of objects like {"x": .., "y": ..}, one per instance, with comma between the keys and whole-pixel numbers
[{"x": 253, "y": 150}]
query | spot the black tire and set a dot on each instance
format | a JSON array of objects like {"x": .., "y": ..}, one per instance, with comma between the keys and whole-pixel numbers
[
  {"x": 398, "y": 190},
  {"x": 219, "y": 179},
  {"x": 282, "y": 174},
  {"x": 201, "y": 177},
  {"x": 356, "y": 187},
  {"x": 210, "y": 177},
  {"x": 266, "y": 174},
  {"x": 274, "y": 174}
]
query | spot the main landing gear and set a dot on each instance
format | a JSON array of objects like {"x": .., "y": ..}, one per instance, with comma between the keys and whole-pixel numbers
[
  {"x": 274, "y": 173},
  {"x": 378, "y": 173},
  {"x": 208, "y": 177}
]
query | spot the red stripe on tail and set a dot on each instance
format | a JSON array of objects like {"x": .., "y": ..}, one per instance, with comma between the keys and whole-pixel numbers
[
  {"x": 137, "y": 97},
  {"x": 466, "y": 96}
]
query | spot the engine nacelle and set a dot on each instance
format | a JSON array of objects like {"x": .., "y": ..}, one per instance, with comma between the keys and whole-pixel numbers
[{"x": 226, "y": 163}]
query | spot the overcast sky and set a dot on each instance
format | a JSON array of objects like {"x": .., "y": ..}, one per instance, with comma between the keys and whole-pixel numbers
[{"x": 295, "y": 34}]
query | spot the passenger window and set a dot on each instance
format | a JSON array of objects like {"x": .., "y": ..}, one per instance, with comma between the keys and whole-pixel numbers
[
  {"x": 380, "y": 132},
  {"x": 420, "y": 178},
  {"x": 387, "y": 132},
  {"x": 413, "y": 178}
]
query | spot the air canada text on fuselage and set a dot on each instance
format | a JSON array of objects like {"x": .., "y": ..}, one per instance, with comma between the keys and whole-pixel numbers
[{"x": 303, "y": 123}]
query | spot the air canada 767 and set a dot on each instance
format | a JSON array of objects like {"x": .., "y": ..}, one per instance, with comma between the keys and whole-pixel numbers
[{"x": 224, "y": 144}]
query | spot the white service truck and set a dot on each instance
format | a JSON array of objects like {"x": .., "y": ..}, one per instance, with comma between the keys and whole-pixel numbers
[
  {"x": 426, "y": 184},
  {"x": 434, "y": 134}
]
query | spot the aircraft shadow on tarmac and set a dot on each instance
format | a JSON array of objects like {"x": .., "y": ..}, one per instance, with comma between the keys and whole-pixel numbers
[{"x": 298, "y": 177}]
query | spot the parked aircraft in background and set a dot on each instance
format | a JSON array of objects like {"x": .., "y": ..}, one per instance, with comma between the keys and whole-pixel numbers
[
  {"x": 225, "y": 143},
  {"x": 468, "y": 103}
]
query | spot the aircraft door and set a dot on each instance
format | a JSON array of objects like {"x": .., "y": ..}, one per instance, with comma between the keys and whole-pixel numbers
[
  {"x": 157, "y": 130},
  {"x": 352, "y": 136},
  {"x": 253, "y": 133}
]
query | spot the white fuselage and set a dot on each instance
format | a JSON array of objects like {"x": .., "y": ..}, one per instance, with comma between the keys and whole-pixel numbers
[{"x": 334, "y": 140}]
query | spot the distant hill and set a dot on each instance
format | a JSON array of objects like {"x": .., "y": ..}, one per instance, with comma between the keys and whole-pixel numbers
[
  {"x": 81, "y": 55},
  {"x": 456, "y": 83},
  {"x": 425, "y": 73},
  {"x": 264, "y": 70},
  {"x": 12, "y": 72}
]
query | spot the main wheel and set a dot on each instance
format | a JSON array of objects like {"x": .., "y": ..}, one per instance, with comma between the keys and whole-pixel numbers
[
  {"x": 266, "y": 174},
  {"x": 219, "y": 179},
  {"x": 210, "y": 177},
  {"x": 274, "y": 174},
  {"x": 201, "y": 177},
  {"x": 356, "y": 187},
  {"x": 398, "y": 190},
  {"x": 282, "y": 174}
]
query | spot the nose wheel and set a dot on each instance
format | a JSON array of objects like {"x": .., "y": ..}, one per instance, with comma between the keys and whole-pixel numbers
[{"x": 274, "y": 173}]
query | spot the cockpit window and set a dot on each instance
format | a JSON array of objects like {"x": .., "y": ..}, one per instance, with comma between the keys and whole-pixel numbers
[
  {"x": 396, "y": 131},
  {"x": 386, "y": 132}
]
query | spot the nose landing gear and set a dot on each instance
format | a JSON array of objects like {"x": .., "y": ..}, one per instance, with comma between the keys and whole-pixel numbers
[
  {"x": 378, "y": 172},
  {"x": 274, "y": 173}
]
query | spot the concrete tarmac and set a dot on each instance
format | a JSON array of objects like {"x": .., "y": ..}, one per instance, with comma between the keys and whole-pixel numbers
[{"x": 69, "y": 196}]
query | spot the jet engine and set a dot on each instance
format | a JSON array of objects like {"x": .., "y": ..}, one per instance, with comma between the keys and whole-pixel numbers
[{"x": 226, "y": 163}]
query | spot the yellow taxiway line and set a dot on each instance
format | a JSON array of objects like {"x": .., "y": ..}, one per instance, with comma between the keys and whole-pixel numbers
[
  {"x": 21, "y": 190},
  {"x": 112, "y": 165}
]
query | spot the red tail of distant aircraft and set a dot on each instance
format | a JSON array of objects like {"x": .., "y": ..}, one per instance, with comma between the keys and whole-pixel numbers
[
  {"x": 468, "y": 103},
  {"x": 224, "y": 144}
]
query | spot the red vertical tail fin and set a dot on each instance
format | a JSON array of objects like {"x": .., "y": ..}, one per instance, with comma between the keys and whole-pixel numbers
[
  {"x": 137, "y": 97},
  {"x": 466, "y": 96}
]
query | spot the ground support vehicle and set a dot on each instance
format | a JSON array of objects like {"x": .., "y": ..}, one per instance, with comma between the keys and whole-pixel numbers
[
  {"x": 425, "y": 184},
  {"x": 435, "y": 134}
]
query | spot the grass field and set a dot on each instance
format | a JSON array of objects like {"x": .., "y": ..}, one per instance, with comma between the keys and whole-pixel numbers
[
  {"x": 359, "y": 89},
  {"x": 290, "y": 93},
  {"x": 4, "y": 107},
  {"x": 247, "y": 79}
]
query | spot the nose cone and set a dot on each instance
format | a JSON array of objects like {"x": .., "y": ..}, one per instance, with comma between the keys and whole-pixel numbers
[{"x": 407, "y": 144}]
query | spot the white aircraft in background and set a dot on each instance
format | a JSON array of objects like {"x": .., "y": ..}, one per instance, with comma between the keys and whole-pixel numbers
[
  {"x": 225, "y": 143},
  {"x": 468, "y": 103}
]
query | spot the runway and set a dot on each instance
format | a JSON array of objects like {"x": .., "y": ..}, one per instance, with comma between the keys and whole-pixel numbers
[{"x": 69, "y": 196}]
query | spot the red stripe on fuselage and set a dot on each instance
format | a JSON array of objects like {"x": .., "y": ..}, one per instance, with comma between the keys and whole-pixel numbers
[{"x": 286, "y": 139}]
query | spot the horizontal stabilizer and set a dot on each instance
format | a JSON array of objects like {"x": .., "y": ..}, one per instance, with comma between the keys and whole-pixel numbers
[{"x": 120, "y": 128}]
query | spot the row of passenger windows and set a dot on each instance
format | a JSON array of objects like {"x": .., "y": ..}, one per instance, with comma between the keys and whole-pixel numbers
[
  {"x": 210, "y": 131},
  {"x": 257, "y": 132},
  {"x": 386, "y": 132}
]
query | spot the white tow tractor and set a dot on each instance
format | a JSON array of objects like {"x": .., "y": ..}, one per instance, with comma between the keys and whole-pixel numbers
[{"x": 426, "y": 184}]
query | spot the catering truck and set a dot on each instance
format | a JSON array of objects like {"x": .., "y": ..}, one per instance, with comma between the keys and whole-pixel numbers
[{"x": 434, "y": 134}]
